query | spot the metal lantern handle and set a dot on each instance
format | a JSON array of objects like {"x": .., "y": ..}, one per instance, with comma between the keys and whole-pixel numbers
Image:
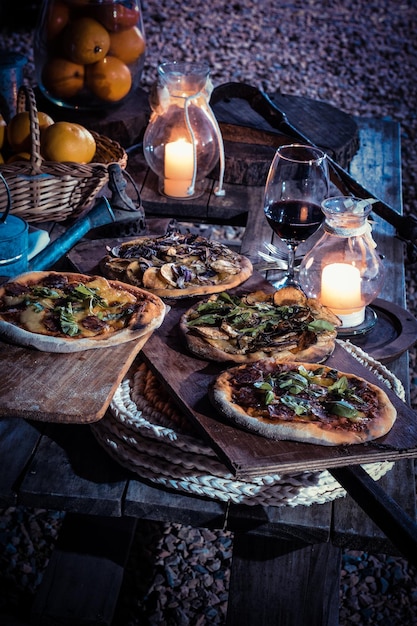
[{"x": 4, "y": 215}]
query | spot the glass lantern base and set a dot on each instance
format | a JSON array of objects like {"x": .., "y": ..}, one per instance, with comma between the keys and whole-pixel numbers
[
  {"x": 368, "y": 324},
  {"x": 178, "y": 190}
]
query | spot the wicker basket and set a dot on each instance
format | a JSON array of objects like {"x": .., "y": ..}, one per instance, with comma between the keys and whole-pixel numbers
[{"x": 45, "y": 190}]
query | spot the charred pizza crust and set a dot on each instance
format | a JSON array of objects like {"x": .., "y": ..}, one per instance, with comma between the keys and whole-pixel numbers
[
  {"x": 177, "y": 265},
  {"x": 285, "y": 324},
  {"x": 69, "y": 312},
  {"x": 306, "y": 402}
]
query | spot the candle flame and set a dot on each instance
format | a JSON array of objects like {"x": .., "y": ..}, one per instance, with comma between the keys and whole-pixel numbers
[{"x": 304, "y": 214}]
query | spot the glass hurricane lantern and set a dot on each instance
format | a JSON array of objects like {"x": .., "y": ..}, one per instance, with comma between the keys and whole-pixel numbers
[
  {"x": 343, "y": 269},
  {"x": 182, "y": 142}
]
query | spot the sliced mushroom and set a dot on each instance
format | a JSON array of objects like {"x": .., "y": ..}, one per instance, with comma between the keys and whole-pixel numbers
[
  {"x": 152, "y": 279},
  {"x": 169, "y": 273},
  {"x": 289, "y": 296},
  {"x": 134, "y": 273},
  {"x": 227, "y": 328},
  {"x": 221, "y": 266},
  {"x": 211, "y": 332}
]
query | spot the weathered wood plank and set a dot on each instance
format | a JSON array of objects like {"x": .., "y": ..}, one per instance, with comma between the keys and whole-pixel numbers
[
  {"x": 309, "y": 524},
  {"x": 153, "y": 503},
  {"x": 16, "y": 446},
  {"x": 71, "y": 388},
  {"x": 83, "y": 579},
  {"x": 71, "y": 472},
  {"x": 322, "y": 123},
  {"x": 286, "y": 583},
  {"x": 332, "y": 129}
]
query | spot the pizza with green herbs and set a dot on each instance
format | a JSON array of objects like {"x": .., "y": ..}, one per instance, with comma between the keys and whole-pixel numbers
[
  {"x": 244, "y": 328},
  {"x": 304, "y": 402},
  {"x": 70, "y": 312}
]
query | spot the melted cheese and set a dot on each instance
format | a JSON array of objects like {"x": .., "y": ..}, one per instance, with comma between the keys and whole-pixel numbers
[
  {"x": 110, "y": 294},
  {"x": 31, "y": 318}
]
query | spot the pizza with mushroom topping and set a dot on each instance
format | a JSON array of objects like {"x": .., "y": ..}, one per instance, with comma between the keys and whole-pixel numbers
[
  {"x": 244, "y": 328},
  {"x": 70, "y": 312},
  {"x": 177, "y": 265},
  {"x": 304, "y": 402}
]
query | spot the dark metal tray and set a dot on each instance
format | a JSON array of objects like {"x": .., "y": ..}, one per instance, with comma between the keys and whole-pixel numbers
[{"x": 394, "y": 332}]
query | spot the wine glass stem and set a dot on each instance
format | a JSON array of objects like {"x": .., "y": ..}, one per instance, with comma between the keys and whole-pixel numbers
[{"x": 291, "y": 261}]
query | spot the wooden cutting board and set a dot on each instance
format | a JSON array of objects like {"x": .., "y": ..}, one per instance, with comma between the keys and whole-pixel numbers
[{"x": 65, "y": 388}]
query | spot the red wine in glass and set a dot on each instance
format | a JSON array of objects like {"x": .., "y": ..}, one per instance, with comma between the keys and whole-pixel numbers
[
  {"x": 294, "y": 220},
  {"x": 296, "y": 185}
]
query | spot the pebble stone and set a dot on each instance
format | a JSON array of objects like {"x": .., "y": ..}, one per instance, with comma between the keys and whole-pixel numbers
[{"x": 360, "y": 56}]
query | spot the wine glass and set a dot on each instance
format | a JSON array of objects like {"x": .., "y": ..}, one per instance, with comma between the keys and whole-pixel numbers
[{"x": 297, "y": 183}]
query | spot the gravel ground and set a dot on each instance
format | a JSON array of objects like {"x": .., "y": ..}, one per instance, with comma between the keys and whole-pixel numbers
[{"x": 360, "y": 56}]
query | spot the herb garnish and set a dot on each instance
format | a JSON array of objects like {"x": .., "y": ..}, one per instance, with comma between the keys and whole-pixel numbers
[
  {"x": 84, "y": 293},
  {"x": 304, "y": 391},
  {"x": 256, "y": 320},
  {"x": 67, "y": 321}
]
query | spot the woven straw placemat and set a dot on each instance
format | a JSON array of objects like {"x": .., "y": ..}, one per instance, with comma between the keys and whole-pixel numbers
[{"x": 146, "y": 433}]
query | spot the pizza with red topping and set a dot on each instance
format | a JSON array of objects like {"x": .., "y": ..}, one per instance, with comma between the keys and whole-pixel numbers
[{"x": 303, "y": 402}]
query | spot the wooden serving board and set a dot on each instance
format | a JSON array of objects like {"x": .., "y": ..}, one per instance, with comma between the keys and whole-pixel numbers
[
  {"x": 187, "y": 379},
  {"x": 65, "y": 388}
]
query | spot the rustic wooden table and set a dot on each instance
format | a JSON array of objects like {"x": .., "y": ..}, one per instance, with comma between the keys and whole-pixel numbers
[{"x": 286, "y": 560}]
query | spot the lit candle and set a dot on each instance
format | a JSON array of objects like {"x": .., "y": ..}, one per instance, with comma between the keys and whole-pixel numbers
[
  {"x": 178, "y": 168},
  {"x": 341, "y": 292}
]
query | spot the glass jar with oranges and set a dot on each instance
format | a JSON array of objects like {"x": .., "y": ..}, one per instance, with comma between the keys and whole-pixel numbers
[{"x": 89, "y": 53}]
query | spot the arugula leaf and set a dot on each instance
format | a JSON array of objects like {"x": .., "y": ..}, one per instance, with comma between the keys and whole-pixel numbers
[
  {"x": 46, "y": 292},
  {"x": 341, "y": 408},
  {"x": 204, "y": 320},
  {"x": 107, "y": 317},
  {"x": 299, "y": 406},
  {"x": 82, "y": 292},
  {"x": 38, "y": 307},
  {"x": 318, "y": 325},
  {"x": 340, "y": 386},
  {"x": 295, "y": 382},
  {"x": 264, "y": 385},
  {"x": 269, "y": 397},
  {"x": 227, "y": 297},
  {"x": 67, "y": 321}
]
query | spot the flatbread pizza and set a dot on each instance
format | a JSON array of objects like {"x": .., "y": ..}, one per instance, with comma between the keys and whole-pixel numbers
[
  {"x": 177, "y": 265},
  {"x": 284, "y": 324},
  {"x": 70, "y": 312},
  {"x": 309, "y": 403}
]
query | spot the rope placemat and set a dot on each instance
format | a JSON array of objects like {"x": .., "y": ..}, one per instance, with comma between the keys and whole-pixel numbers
[{"x": 146, "y": 433}]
